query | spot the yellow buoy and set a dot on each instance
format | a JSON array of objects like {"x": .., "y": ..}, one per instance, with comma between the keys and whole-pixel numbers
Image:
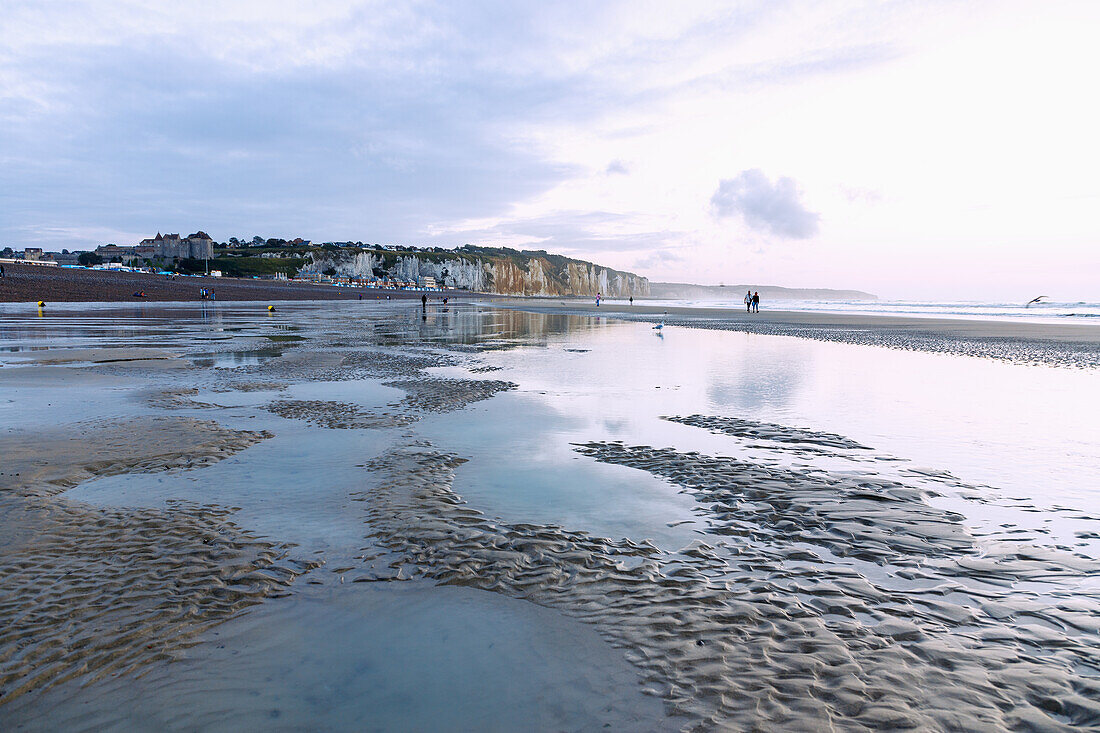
[
  {"x": 41, "y": 304},
  {"x": 271, "y": 307}
]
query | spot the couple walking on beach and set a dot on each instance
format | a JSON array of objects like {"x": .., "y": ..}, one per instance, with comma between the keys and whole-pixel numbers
[{"x": 752, "y": 302}]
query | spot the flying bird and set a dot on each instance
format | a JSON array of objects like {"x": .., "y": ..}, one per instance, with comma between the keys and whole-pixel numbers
[{"x": 1034, "y": 300}]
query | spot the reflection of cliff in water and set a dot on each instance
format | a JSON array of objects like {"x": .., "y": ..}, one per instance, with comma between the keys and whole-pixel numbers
[{"x": 473, "y": 326}]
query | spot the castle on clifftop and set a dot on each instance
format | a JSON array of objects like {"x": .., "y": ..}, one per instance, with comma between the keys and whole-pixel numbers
[
  {"x": 167, "y": 247},
  {"x": 197, "y": 246}
]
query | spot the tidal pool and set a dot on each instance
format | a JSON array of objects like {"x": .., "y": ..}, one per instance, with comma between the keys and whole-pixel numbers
[{"x": 493, "y": 519}]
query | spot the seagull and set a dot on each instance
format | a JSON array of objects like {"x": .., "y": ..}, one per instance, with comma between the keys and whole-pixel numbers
[
  {"x": 661, "y": 325},
  {"x": 1034, "y": 300}
]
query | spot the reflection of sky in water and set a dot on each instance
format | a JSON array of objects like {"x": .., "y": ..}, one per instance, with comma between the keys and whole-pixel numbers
[
  {"x": 1027, "y": 430},
  {"x": 1024, "y": 431},
  {"x": 765, "y": 376}
]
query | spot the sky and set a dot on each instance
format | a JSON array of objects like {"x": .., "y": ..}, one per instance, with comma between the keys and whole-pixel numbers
[{"x": 923, "y": 150}]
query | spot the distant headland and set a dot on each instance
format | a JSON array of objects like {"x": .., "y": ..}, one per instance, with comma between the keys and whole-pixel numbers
[{"x": 686, "y": 291}]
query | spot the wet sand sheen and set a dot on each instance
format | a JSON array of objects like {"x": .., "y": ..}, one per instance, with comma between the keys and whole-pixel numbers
[{"x": 814, "y": 597}]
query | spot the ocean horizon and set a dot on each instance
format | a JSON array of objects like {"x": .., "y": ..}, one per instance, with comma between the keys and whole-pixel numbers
[{"x": 964, "y": 309}]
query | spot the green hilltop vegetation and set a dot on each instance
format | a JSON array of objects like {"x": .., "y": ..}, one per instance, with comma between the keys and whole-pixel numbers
[{"x": 279, "y": 256}]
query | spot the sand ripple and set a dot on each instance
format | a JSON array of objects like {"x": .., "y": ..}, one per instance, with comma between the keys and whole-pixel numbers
[
  {"x": 445, "y": 395},
  {"x": 48, "y": 462},
  {"x": 322, "y": 365},
  {"x": 747, "y": 634},
  {"x": 86, "y": 591},
  {"x": 180, "y": 398},
  {"x": 751, "y": 429},
  {"x": 103, "y": 591},
  {"x": 337, "y": 415},
  {"x": 866, "y": 517}
]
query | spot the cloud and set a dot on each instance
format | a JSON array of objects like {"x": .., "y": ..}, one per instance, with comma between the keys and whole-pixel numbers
[
  {"x": 657, "y": 260},
  {"x": 765, "y": 206},
  {"x": 363, "y": 120},
  {"x": 572, "y": 232},
  {"x": 616, "y": 166}
]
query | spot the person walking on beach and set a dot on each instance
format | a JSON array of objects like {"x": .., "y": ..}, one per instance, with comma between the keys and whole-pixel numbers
[
  {"x": 756, "y": 302},
  {"x": 424, "y": 301},
  {"x": 598, "y": 296},
  {"x": 632, "y": 300},
  {"x": 748, "y": 302}
]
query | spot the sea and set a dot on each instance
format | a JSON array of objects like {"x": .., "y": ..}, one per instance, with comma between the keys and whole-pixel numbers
[{"x": 1042, "y": 312}]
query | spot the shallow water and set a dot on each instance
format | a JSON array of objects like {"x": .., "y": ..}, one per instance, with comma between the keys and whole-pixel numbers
[
  {"x": 1046, "y": 311},
  {"x": 753, "y": 530}
]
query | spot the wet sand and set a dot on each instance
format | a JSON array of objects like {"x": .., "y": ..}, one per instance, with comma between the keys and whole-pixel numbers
[
  {"x": 295, "y": 526},
  {"x": 1058, "y": 344},
  {"x": 89, "y": 592}
]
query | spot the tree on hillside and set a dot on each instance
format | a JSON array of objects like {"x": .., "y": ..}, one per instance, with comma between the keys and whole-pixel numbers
[
  {"x": 257, "y": 241},
  {"x": 89, "y": 258}
]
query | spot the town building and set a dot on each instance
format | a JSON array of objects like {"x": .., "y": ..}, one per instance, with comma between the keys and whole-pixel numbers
[
  {"x": 65, "y": 258},
  {"x": 110, "y": 251}
]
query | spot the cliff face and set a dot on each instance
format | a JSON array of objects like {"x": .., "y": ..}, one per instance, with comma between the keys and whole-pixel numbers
[{"x": 486, "y": 270}]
